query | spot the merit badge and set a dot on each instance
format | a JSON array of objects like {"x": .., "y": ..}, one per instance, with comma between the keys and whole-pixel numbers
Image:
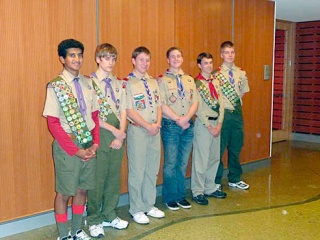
[{"x": 140, "y": 104}]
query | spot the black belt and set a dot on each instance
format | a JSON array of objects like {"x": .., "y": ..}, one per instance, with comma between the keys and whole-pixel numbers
[{"x": 212, "y": 118}]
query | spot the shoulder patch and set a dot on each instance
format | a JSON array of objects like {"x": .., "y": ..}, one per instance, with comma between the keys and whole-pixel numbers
[
  {"x": 160, "y": 76},
  {"x": 126, "y": 79}
]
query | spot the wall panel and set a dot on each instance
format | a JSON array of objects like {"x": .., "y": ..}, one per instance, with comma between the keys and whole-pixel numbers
[
  {"x": 129, "y": 24},
  {"x": 31, "y": 31},
  {"x": 306, "y": 100},
  {"x": 201, "y": 26},
  {"x": 254, "y": 33}
]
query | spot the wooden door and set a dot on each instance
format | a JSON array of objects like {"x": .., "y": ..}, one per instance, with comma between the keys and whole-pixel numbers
[{"x": 283, "y": 81}]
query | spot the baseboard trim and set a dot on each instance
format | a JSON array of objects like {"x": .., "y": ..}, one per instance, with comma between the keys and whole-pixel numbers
[{"x": 305, "y": 137}]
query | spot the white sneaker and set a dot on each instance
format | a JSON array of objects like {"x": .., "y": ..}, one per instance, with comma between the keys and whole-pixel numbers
[
  {"x": 140, "y": 218},
  {"x": 156, "y": 213},
  {"x": 81, "y": 235},
  {"x": 117, "y": 223},
  {"x": 241, "y": 185},
  {"x": 219, "y": 187},
  {"x": 96, "y": 231}
]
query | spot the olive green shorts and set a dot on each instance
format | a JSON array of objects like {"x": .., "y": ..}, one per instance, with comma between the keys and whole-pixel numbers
[{"x": 72, "y": 173}]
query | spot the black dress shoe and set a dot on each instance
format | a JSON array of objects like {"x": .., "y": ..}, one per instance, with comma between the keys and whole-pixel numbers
[
  {"x": 200, "y": 199},
  {"x": 217, "y": 194}
]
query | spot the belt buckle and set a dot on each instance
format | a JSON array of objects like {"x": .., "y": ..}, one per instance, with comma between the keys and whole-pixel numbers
[{"x": 212, "y": 118}]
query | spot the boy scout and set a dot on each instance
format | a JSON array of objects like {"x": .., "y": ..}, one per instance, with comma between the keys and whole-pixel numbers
[
  {"x": 234, "y": 84},
  {"x": 179, "y": 104},
  {"x": 71, "y": 109},
  {"x": 206, "y": 143},
  {"x": 143, "y": 141},
  {"x": 104, "y": 198}
]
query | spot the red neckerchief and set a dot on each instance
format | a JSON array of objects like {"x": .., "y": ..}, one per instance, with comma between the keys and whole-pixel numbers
[{"x": 212, "y": 89}]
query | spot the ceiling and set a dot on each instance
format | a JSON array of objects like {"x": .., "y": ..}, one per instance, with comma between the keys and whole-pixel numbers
[{"x": 298, "y": 10}]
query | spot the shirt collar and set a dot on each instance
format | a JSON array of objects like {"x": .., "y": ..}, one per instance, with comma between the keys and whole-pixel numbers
[
  {"x": 201, "y": 77},
  {"x": 225, "y": 68},
  {"x": 68, "y": 77},
  {"x": 180, "y": 73},
  {"x": 134, "y": 74}
]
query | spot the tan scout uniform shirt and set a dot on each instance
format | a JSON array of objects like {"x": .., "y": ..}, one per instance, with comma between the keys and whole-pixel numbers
[
  {"x": 52, "y": 106},
  {"x": 240, "y": 80},
  {"x": 204, "y": 110},
  {"x": 170, "y": 96},
  {"x": 118, "y": 87},
  {"x": 137, "y": 97}
]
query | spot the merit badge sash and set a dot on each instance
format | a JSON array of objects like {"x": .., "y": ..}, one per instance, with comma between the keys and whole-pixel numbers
[
  {"x": 71, "y": 111},
  {"x": 206, "y": 96},
  {"x": 228, "y": 90},
  {"x": 106, "y": 113}
]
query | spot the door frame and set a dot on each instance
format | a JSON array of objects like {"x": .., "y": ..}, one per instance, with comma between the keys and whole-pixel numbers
[{"x": 288, "y": 82}]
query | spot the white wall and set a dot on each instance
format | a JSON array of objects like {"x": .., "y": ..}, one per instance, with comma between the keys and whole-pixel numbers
[{"x": 298, "y": 10}]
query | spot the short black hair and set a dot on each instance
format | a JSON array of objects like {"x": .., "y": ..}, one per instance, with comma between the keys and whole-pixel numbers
[
  {"x": 66, "y": 44},
  {"x": 203, "y": 55}
]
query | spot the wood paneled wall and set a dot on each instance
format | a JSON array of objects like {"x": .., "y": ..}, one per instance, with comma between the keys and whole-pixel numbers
[
  {"x": 201, "y": 26},
  {"x": 31, "y": 31},
  {"x": 254, "y": 34}
]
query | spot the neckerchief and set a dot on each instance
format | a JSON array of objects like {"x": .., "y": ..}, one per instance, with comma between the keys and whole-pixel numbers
[
  {"x": 205, "y": 94},
  {"x": 179, "y": 83}
]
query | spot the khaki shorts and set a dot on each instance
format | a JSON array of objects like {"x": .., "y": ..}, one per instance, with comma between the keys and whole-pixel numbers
[{"x": 71, "y": 173}]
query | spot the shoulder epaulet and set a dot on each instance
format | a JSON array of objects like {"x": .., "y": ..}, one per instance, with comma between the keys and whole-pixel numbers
[
  {"x": 126, "y": 79},
  {"x": 86, "y": 76},
  {"x": 160, "y": 76}
]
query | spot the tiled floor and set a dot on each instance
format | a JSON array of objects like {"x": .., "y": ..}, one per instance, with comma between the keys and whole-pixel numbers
[{"x": 282, "y": 203}]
